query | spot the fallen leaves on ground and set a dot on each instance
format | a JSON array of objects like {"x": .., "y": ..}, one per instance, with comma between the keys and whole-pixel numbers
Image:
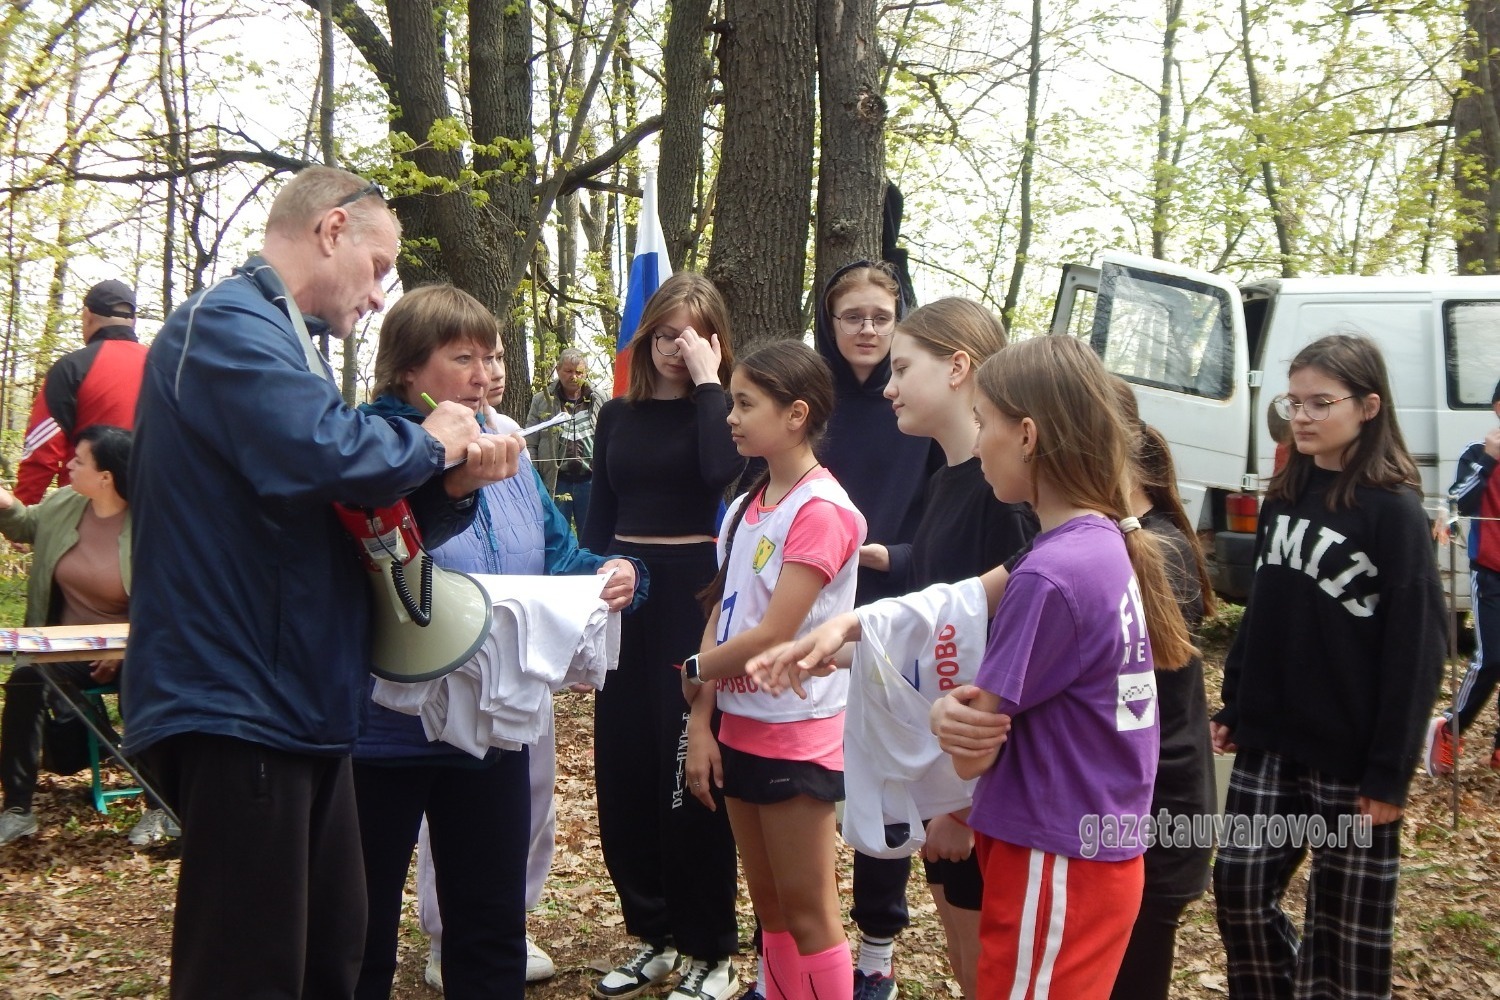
[{"x": 84, "y": 915}]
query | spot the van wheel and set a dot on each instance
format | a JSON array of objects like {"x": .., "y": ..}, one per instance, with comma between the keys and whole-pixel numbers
[{"x": 1233, "y": 564}]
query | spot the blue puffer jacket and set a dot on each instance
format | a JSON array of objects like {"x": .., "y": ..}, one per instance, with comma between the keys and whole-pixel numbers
[
  {"x": 517, "y": 529},
  {"x": 250, "y": 607}
]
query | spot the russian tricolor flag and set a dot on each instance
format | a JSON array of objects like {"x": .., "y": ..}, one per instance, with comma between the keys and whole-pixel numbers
[{"x": 648, "y": 270}]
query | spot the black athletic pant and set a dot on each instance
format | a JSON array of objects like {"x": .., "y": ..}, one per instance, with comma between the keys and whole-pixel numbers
[
  {"x": 479, "y": 825},
  {"x": 1484, "y": 671},
  {"x": 1146, "y": 971},
  {"x": 271, "y": 892},
  {"x": 880, "y": 895},
  {"x": 671, "y": 859}
]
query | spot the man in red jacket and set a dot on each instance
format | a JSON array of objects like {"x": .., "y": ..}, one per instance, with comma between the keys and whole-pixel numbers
[{"x": 96, "y": 384}]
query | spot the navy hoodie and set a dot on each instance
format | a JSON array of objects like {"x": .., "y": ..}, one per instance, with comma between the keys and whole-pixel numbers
[{"x": 884, "y": 471}]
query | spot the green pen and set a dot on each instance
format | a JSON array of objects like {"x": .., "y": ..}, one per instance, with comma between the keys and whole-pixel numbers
[{"x": 428, "y": 400}]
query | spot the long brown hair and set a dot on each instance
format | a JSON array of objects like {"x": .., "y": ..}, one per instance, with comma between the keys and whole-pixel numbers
[
  {"x": 1083, "y": 451},
  {"x": 787, "y": 371},
  {"x": 1378, "y": 456},
  {"x": 704, "y": 304},
  {"x": 1156, "y": 475},
  {"x": 944, "y": 327}
]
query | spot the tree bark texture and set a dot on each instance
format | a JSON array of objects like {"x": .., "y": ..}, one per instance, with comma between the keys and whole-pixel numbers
[
  {"x": 1028, "y": 161},
  {"x": 683, "y": 106},
  {"x": 477, "y": 238},
  {"x": 851, "y": 166},
  {"x": 1476, "y": 124},
  {"x": 759, "y": 249}
]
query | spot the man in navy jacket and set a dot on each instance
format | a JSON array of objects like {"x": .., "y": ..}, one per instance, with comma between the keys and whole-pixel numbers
[{"x": 249, "y": 647}]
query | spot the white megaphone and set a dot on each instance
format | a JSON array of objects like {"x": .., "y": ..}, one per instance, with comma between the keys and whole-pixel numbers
[{"x": 417, "y": 637}]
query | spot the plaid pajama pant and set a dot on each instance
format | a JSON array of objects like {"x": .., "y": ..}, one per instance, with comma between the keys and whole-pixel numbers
[{"x": 1344, "y": 951}]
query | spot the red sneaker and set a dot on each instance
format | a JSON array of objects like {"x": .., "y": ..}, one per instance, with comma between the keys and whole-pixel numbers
[{"x": 1440, "y": 751}]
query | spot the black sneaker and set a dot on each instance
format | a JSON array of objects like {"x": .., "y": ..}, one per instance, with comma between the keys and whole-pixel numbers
[
  {"x": 874, "y": 986},
  {"x": 705, "y": 979},
  {"x": 647, "y": 967}
]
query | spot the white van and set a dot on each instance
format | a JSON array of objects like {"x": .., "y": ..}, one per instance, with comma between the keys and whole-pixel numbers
[{"x": 1207, "y": 356}]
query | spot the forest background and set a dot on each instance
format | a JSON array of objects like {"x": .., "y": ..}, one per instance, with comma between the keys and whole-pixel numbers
[{"x": 143, "y": 140}]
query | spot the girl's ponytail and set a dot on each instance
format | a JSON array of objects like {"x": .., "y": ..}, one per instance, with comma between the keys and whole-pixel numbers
[
  {"x": 1171, "y": 643},
  {"x": 710, "y": 596},
  {"x": 788, "y": 371}
]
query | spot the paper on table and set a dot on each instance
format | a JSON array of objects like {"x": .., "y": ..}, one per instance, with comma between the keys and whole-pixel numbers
[{"x": 63, "y": 639}]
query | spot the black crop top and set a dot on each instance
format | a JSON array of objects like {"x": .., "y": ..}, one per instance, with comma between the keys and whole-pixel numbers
[{"x": 660, "y": 467}]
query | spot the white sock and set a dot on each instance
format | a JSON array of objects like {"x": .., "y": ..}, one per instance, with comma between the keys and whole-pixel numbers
[{"x": 875, "y": 955}]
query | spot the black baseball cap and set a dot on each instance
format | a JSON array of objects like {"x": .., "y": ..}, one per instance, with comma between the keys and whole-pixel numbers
[{"x": 111, "y": 298}]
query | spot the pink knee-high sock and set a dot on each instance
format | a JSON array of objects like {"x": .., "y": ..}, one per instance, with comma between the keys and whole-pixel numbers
[
  {"x": 828, "y": 975},
  {"x": 783, "y": 966}
]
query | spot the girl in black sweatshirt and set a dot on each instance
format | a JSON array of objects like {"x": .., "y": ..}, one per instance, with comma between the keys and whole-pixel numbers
[
  {"x": 964, "y": 531},
  {"x": 1327, "y": 689}
]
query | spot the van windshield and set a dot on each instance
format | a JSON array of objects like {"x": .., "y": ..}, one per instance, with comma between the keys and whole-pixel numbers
[{"x": 1164, "y": 331}]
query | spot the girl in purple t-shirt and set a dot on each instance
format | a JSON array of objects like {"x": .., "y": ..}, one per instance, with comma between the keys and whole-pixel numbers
[{"x": 1070, "y": 659}]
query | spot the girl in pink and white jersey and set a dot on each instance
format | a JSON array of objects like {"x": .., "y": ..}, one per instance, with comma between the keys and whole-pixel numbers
[{"x": 788, "y": 561}]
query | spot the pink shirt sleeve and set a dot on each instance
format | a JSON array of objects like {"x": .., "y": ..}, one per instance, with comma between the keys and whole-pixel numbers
[{"x": 823, "y": 535}]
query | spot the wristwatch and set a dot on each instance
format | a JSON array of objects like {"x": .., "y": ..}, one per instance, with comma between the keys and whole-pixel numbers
[{"x": 690, "y": 670}]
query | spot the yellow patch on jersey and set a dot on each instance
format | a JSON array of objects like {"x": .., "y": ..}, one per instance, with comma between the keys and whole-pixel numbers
[{"x": 763, "y": 551}]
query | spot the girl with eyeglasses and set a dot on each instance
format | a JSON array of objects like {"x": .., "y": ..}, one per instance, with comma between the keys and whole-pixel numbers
[
  {"x": 1328, "y": 686},
  {"x": 663, "y": 457},
  {"x": 885, "y": 473}
]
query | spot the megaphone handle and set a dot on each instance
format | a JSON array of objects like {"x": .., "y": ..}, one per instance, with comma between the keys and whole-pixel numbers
[{"x": 421, "y": 615}]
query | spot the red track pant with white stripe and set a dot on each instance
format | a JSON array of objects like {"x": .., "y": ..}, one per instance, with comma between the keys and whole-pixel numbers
[{"x": 1053, "y": 926}]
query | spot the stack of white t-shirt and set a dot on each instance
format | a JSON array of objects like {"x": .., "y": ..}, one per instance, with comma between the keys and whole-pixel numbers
[
  {"x": 915, "y": 648},
  {"x": 548, "y": 632}
]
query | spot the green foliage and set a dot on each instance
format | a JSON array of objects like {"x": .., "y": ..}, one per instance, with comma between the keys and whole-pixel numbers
[
  {"x": 12, "y": 594},
  {"x": 1218, "y": 630}
]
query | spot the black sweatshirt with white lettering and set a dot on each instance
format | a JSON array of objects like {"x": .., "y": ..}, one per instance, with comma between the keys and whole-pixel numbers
[{"x": 1338, "y": 658}]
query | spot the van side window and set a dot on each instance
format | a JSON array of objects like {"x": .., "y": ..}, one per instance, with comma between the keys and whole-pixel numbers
[
  {"x": 1471, "y": 335},
  {"x": 1163, "y": 331}
]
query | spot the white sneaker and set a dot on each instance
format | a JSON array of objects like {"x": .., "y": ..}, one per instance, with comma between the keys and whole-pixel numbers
[
  {"x": 705, "y": 980},
  {"x": 154, "y": 827},
  {"x": 647, "y": 967},
  {"x": 539, "y": 964}
]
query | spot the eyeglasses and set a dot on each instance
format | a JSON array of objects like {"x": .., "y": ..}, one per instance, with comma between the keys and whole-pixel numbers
[
  {"x": 1316, "y": 409},
  {"x": 368, "y": 191},
  {"x": 852, "y": 323},
  {"x": 664, "y": 339}
]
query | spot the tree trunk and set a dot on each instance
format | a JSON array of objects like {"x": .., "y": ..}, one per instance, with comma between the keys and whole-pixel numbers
[
  {"x": 1476, "y": 125},
  {"x": 759, "y": 247},
  {"x": 1163, "y": 172},
  {"x": 1280, "y": 217},
  {"x": 851, "y": 168},
  {"x": 683, "y": 106},
  {"x": 478, "y": 252},
  {"x": 1028, "y": 160}
]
